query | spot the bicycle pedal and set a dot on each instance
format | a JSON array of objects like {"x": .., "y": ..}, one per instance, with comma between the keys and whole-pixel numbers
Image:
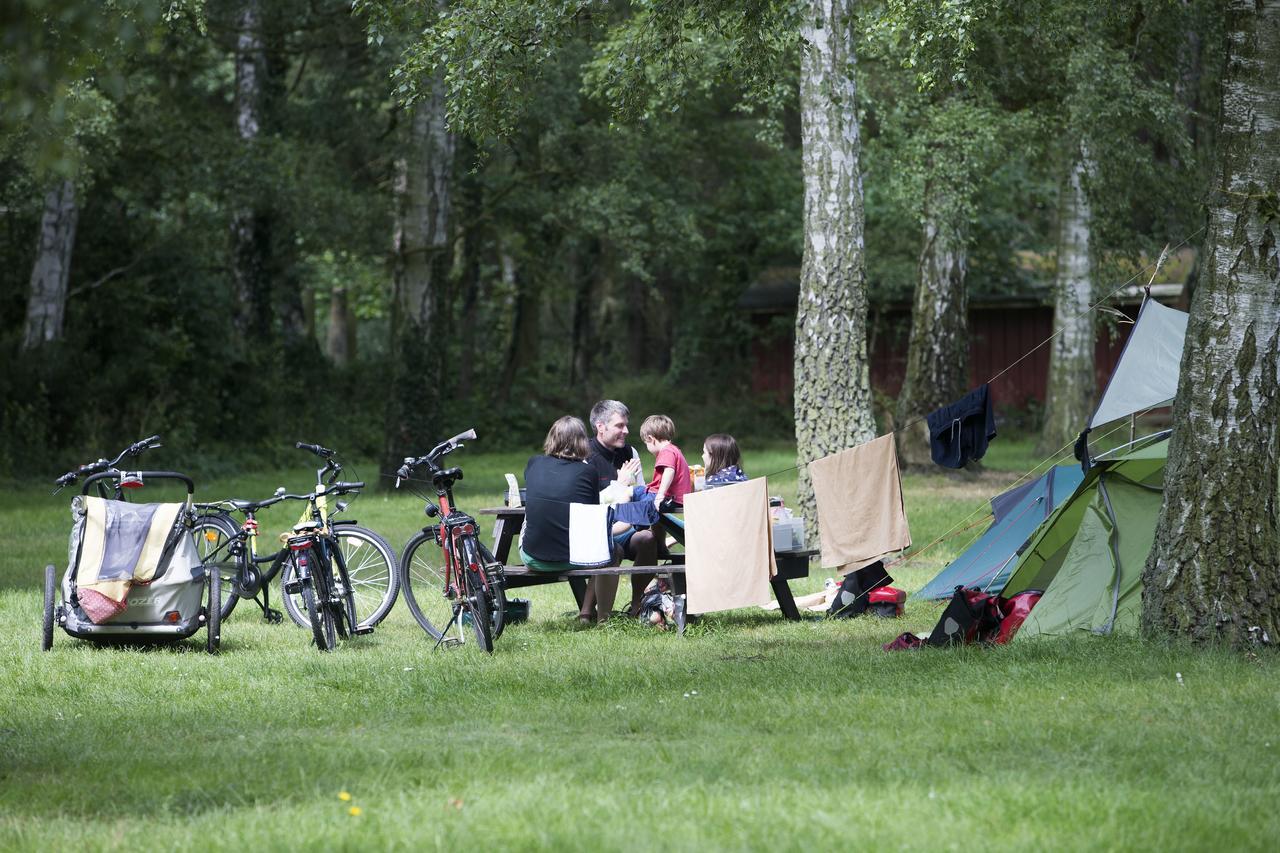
[
  {"x": 275, "y": 617},
  {"x": 368, "y": 629},
  {"x": 450, "y": 642}
]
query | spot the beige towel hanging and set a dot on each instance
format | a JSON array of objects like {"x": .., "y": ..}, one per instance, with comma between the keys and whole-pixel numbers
[
  {"x": 860, "y": 510},
  {"x": 728, "y": 547}
]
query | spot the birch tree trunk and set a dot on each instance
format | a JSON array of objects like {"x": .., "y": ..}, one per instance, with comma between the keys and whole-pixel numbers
[
  {"x": 1214, "y": 571},
  {"x": 340, "y": 337},
  {"x": 832, "y": 381},
  {"x": 47, "y": 303},
  {"x": 421, "y": 266},
  {"x": 938, "y": 350},
  {"x": 1071, "y": 384},
  {"x": 250, "y": 234}
]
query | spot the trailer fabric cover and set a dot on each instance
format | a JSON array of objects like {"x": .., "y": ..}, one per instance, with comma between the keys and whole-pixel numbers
[{"x": 123, "y": 545}]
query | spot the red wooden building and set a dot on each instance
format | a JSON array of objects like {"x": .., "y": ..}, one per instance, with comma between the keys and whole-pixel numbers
[{"x": 1009, "y": 337}]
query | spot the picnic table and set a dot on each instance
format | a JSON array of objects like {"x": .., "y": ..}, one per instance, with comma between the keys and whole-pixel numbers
[{"x": 792, "y": 564}]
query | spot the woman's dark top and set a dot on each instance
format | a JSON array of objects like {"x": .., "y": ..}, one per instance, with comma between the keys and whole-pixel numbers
[{"x": 550, "y": 486}]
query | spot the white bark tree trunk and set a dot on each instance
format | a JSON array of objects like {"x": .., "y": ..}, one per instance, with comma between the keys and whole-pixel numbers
[
  {"x": 1071, "y": 384},
  {"x": 832, "y": 378},
  {"x": 1214, "y": 571},
  {"x": 422, "y": 260},
  {"x": 938, "y": 350},
  {"x": 340, "y": 339},
  {"x": 47, "y": 304}
]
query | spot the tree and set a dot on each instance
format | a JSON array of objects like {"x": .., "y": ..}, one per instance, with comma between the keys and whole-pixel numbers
[
  {"x": 48, "y": 300},
  {"x": 250, "y": 233},
  {"x": 1069, "y": 401},
  {"x": 1214, "y": 570},
  {"x": 832, "y": 375}
]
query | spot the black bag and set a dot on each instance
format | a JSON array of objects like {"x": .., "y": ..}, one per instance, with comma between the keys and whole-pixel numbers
[
  {"x": 972, "y": 616},
  {"x": 851, "y": 598}
]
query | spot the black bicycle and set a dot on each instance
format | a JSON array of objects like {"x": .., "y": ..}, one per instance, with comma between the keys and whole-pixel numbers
[
  {"x": 449, "y": 578},
  {"x": 361, "y": 581}
]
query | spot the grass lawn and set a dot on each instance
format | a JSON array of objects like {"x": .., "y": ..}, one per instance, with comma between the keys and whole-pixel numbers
[{"x": 749, "y": 732}]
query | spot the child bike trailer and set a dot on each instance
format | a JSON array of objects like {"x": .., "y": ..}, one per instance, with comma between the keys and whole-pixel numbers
[{"x": 133, "y": 572}]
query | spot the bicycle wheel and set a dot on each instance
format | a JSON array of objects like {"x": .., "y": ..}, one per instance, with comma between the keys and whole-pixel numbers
[
  {"x": 50, "y": 593},
  {"x": 213, "y": 613},
  {"x": 479, "y": 602},
  {"x": 211, "y": 534},
  {"x": 344, "y": 601},
  {"x": 477, "y": 555},
  {"x": 422, "y": 582},
  {"x": 320, "y": 616},
  {"x": 371, "y": 566}
]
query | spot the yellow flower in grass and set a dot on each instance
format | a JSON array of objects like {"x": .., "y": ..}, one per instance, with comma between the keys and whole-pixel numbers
[
  {"x": 355, "y": 811},
  {"x": 344, "y": 796}
]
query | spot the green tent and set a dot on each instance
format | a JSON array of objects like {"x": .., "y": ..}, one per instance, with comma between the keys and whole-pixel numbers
[{"x": 1089, "y": 554}]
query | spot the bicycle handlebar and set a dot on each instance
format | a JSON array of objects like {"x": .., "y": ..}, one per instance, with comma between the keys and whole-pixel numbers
[
  {"x": 90, "y": 468},
  {"x": 322, "y": 452},
  {"x": 444, "y": 448}
]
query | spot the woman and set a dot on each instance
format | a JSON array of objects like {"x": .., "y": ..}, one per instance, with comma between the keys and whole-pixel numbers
[{"x": 553, "y": 481}]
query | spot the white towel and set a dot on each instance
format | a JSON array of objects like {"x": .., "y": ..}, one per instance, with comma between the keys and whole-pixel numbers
[{"x": 589, "y": 543}]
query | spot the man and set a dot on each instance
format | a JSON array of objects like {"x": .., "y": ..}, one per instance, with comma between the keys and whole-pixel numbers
[
  {"x": 610, "y": 455},
  {"x": 613, "y": 459}
]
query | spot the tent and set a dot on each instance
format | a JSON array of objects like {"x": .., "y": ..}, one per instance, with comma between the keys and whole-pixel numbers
[
  {"x": 988, "y": 562},
  {"x": 1089, "y": 555},
  {"x": 1147, "y": 373}
]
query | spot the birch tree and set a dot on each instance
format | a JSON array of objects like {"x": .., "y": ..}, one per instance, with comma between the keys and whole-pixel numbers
[
  {"x": 832, "y": 375},
  {"x": 1071, "y": 384},
  {"x": 47, "y": 302},
  {"x": 421, "y": 259},
  {"x": 1214, "y": 571}
]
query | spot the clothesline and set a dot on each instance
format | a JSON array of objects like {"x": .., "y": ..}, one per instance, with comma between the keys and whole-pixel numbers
[{"x": 1152, "y": 267}]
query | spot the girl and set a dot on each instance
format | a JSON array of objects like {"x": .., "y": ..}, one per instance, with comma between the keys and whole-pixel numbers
[{"x": 723, "y": 460}]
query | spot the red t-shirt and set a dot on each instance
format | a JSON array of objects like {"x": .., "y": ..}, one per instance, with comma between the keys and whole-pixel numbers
[{"x": 671, "y": 457}]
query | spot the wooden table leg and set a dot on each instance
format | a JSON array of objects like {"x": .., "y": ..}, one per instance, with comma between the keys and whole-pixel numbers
[
  {"x": 504, "y": 533},
  {"x": 787, "y": 604}
]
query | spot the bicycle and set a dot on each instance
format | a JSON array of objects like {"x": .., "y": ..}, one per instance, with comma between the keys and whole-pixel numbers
[
  {"x": 465, "y": 584},
  {"x": 361, "y": 564}
]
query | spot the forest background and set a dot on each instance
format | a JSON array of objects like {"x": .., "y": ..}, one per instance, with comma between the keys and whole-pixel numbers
[{"x": 243, "y": 200}]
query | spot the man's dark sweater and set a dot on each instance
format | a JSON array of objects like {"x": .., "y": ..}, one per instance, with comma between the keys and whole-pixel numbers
[{"x": 607, "y": 461}]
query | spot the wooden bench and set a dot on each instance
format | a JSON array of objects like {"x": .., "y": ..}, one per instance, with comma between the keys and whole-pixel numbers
[{"x": 791, "y": 565}]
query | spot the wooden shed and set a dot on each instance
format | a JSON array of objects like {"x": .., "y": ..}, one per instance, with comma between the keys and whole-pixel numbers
[{"x": 1003, "y": 330}]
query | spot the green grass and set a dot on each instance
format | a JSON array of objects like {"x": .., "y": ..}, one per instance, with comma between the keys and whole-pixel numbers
[{"x": 750, "y": 732}]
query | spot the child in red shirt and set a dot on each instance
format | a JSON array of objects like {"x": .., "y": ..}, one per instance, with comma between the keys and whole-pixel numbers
[{"x": 671, "y": 477}]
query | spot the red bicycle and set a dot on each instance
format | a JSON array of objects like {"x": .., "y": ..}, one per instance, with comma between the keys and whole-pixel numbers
[{"x": 449, "y": 578}]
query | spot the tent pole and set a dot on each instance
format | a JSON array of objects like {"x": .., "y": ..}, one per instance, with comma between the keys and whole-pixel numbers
[{"x": 1133, "y": 427}]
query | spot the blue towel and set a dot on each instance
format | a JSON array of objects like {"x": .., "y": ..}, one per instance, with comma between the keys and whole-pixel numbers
[{"x": 961, "y": 431}]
